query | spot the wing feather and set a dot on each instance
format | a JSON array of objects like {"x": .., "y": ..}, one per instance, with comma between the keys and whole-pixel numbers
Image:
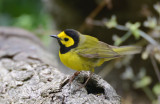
[{"x": 100, "y": 50}]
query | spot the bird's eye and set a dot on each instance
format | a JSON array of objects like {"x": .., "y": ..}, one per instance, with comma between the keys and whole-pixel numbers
[{"x": 66, "y": 39}]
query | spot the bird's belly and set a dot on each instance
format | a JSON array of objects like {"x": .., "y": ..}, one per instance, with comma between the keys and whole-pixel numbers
[{"x": 76, "y": 62}]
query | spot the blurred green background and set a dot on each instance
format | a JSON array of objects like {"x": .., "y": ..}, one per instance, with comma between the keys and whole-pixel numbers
[
  {"x": 120, "y": 22},
  {"x": 26, "y": 14}
]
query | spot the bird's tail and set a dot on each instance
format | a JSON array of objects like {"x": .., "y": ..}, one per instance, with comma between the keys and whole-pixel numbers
[
  {"x": 127, "y": 50},
  {"x": 123, "y": 50}
]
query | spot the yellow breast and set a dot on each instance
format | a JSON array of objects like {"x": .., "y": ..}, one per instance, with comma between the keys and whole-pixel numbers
[{"x": 74, "y": 61}]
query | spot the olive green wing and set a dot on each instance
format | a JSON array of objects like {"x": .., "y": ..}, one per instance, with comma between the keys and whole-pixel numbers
[{"x": 100, "y": 50}]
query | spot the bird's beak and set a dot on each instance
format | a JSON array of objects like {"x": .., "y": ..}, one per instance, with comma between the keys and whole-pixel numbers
[{"x": 55, "y": 36}]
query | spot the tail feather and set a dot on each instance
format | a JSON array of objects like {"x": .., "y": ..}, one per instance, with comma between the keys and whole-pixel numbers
[{"x": 127, "y": 50}]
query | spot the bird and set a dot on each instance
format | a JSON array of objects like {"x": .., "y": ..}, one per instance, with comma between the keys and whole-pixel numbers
[{"x": 82, "y": 52}]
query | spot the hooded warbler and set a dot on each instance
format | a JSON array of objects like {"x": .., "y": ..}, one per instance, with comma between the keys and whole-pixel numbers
[{"x": 83, "y": 52}]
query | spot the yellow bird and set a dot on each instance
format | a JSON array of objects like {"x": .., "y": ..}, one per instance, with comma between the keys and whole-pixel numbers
[{"x": 83, "y": 52}]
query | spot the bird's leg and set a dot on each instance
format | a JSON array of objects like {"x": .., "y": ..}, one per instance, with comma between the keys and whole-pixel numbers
[
  {"x": 73, "y": 76},
  {"x": 91, "y": 73}
]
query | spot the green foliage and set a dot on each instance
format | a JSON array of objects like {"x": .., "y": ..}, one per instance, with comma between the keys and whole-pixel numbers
[
  {"x": 27, "y": 14},
  {"x": 152, "y": 52},
  {"x": 120, "y": 40},
  {"x": 112, "y": 23},
  {"x": 117, "y": 40},
  {"x": 134, "y": 28},
  {"x": 145, "y": 81},
  {"x": 151, "y": 22},
  {"x": 24, "y": 21},
  {"x": 156, "y": 89}
]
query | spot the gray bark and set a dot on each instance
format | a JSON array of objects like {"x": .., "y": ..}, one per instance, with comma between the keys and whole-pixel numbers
[{"x": 27, "y": 75}]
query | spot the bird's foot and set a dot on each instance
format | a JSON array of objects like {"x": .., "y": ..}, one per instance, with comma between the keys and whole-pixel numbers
[
  {"x": 83, "y": 85},
  {"x": 73, "y": 77}
]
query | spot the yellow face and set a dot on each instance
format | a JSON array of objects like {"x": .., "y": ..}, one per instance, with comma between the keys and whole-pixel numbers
[{"x": 66, "y": 40}]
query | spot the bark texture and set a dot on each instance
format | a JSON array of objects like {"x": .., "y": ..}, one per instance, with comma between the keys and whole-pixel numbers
[{"x": 27, "y": 75}]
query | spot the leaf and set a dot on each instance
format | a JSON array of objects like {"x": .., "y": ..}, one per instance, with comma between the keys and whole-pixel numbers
[
  {"x": 151, "y": 22},
  {"x": 112, "y": 22},
  {"x": 134, "y": 28},
  {"x": 145, "y": 81},
  {"x": 156, "y": 89},
  {"x": 117, "y": 40}
]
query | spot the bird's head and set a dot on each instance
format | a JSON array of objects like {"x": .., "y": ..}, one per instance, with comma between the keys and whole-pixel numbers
[{"x": 67, "y": 39}]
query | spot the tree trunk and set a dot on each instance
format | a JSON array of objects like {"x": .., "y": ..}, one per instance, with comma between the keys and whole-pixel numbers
[{"x": 28, "y": 75}]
